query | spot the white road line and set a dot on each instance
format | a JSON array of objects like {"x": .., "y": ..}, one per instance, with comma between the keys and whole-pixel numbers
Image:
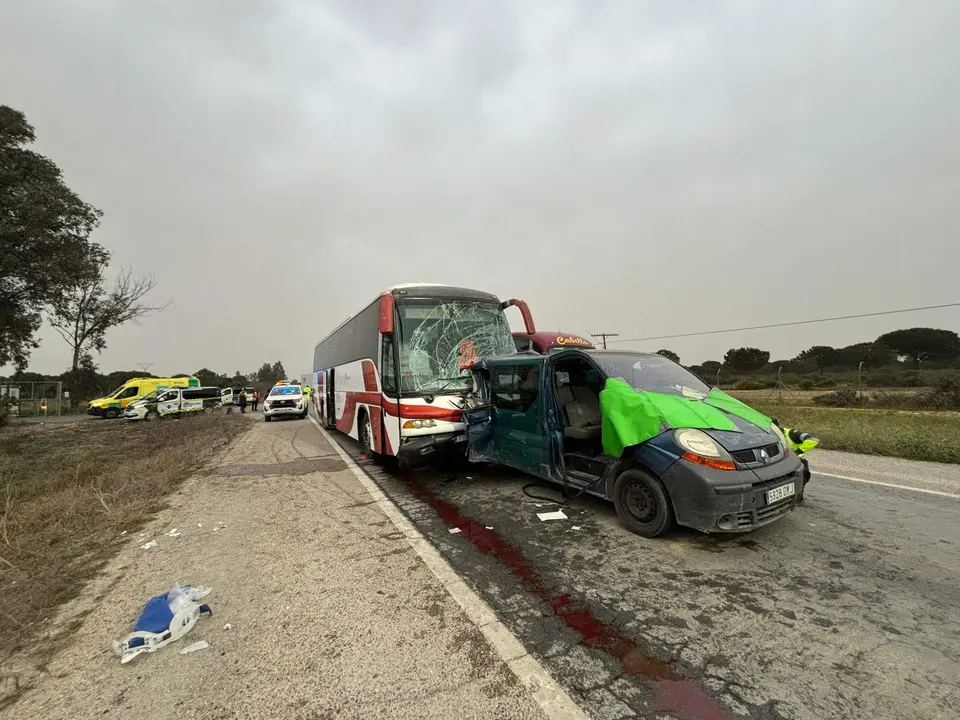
[
  {"x": 890, "y": 485},
  {"x": 553, "y": 699}
]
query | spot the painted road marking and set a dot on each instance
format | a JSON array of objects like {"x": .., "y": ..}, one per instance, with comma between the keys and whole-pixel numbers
[
  {"x": 890, "y": 485},
  {"x": 553, "y": 699}
]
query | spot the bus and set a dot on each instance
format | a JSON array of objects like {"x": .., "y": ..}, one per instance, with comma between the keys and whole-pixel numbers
[{"x": 394, "y": 375}]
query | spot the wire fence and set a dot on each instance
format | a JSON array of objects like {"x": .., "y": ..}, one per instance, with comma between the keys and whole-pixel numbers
[{"x": 35, "y": 398}]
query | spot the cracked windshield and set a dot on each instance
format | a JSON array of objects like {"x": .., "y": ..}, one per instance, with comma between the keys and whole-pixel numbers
[{"x": 440, "y": 340}]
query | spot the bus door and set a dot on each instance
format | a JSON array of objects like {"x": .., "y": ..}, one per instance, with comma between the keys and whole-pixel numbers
[{"x": 330, "y": 399}]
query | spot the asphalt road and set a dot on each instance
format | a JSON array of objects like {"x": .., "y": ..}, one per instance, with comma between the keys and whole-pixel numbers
[{"x": 847, "y": 608}]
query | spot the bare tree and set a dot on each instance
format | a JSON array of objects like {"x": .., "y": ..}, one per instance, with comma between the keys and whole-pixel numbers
[{"x": 93, "y": 308}]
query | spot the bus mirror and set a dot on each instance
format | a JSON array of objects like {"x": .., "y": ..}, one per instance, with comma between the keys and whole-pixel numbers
[{"x": 386, "y": 313}]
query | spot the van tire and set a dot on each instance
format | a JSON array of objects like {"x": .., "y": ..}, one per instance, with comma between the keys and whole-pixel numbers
[
  {"x": 151, "y": 415},
  {"x": 267, "y": 418},
  {"x": 642, "y": 503},
  {"x": 111, "y": 414}
]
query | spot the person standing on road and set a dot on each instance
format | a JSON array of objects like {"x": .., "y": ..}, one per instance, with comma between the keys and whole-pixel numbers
[
  {"x": 242, "y": 401},
  {"x": 256, "y": 400}
]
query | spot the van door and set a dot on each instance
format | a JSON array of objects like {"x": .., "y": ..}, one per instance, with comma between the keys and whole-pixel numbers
[
  {"x": 168, "y": 403},
  {"x": 509, "y": 426}
]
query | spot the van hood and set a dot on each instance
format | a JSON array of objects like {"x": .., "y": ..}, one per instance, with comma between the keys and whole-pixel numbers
[{"x": 746, "y": 436}]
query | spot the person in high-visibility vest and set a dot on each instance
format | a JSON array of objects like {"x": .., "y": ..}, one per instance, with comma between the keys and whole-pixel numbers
[{"x": 800, "y": 443}]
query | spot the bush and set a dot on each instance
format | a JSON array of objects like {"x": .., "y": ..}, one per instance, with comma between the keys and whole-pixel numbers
[
  {"x": 912, "y": 378},
  {"x": 944, "y": 395},
  {"x": 826, "y": 383},
  {"x": 805, "y": 384},
  {"x": 748, "y": 384},
  {"x": 882, "y": 379},
  {"x": 841, "y": 397}
]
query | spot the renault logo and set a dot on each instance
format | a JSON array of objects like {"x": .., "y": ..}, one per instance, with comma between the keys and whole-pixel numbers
[{"x": 763, "y": 455}]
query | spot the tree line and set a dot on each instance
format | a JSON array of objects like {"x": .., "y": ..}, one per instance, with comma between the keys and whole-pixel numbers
[{"x": 911, "y": 348}]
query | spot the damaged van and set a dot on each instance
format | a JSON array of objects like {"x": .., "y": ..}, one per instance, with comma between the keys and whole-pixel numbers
[{"x": 638, "y": 430}]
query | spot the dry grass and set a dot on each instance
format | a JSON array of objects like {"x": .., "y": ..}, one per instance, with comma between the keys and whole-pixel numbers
[
  {"x": 68, "y": 490},
  {"x": 931, "y": 436},
  {"x": 804, "y": 398}
]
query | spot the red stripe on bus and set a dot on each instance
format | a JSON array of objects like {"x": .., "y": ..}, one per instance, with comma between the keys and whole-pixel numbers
[
  {"x": 369, "y": 376},
  {"x": 421, "y": 412}
]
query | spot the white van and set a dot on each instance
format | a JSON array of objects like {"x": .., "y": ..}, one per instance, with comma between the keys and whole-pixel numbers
[{"x": 174, "y": 402}]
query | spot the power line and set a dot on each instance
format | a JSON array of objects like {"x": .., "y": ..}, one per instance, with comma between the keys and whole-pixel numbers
[
  {"x": 790, "y": 324},
  {"x": 604, "y": 337}
]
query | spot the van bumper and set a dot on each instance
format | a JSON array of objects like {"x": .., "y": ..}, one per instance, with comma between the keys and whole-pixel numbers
[{"x": 731, "y": 501}]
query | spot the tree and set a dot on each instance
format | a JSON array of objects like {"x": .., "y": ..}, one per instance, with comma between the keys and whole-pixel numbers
[
  {"x": 238, "y": 379},
  {"x": 208, "y": 378},
  {"x": 669, "y": 354},
  {"x": 820, "y": 356},
  {"x": 266, "y": 374},
  {"x": 746, "y": 358},
  {"x": 871, "y": 354},
  {"x": 278, "y": 371},
  {"x": 45, "y": 249},
  {"x": 92, "y": 308},
  {"x": 922, "y": 344}
]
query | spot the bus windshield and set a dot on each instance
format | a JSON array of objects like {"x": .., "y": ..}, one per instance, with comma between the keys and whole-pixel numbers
[{"x": 441, "y": 338}]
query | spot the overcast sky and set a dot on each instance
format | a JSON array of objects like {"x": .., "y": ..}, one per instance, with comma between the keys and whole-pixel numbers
[{"x": 646, "y": 168}]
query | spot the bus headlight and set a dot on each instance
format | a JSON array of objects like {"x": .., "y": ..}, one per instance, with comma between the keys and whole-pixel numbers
[{"x": 417, "y": 424}]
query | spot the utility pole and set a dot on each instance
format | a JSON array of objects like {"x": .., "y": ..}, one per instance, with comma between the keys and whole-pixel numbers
[
  {"x": 145, "y": 367},
  {"x": 603, "y": 337}
]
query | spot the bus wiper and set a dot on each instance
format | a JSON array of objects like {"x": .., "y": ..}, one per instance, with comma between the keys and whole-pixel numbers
[{"x": 450, "y": 381}]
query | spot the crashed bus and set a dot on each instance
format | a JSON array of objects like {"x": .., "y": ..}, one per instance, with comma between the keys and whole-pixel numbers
[{"x": 394, "y": 375}]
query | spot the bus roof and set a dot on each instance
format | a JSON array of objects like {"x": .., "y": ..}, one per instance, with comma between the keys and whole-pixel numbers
[{"x": 444, "y": 291}]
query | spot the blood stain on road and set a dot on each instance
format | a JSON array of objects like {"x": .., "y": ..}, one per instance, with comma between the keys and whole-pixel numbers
[{"x": 674, "y": 693}]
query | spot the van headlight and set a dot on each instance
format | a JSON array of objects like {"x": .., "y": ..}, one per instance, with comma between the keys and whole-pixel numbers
[{"x": 702, "y": 449}]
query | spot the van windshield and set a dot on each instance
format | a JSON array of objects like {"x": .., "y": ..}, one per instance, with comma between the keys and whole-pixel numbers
[{"x": 654, "y": 373}]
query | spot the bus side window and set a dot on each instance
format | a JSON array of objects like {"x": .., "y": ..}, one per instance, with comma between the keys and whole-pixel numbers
[{"x": 388, "y": 366}]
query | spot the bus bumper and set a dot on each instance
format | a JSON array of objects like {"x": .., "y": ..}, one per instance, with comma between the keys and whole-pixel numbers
[{"x": 420, "y": 450}]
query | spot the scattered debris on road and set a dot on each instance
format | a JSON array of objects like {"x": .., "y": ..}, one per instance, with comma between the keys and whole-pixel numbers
[
  {"x": 165, "y": 618},
  {"x": 148, "y": 545},
  {"x": 199, "y": 645},
  {"x": 555, "y": 515},
  {"x": 454, "y": 531}
]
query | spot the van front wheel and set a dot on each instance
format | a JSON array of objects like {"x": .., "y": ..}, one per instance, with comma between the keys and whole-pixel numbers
[
  {"x": 111, "y": 413},
  {"x": 642, "y": 503}
]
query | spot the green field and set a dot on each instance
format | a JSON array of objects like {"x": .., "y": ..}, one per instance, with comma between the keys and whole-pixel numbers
[{"x": 931, "y": 436}]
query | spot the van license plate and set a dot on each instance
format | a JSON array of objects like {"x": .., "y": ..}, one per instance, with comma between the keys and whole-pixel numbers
[{"x": 779, "y": 493}]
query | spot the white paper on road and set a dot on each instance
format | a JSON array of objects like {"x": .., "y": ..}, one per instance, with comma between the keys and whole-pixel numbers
[
  {"x": 555, "y": 515},
  {"x": 454, "y": 531},
  {"x": 199, "y": 645}
]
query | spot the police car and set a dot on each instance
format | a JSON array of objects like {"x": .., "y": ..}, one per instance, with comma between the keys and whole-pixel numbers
[{"x": 285, "y": 399}]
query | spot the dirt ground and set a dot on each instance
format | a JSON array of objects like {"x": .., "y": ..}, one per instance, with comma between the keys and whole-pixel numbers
[{"x": 331, "y": 612}]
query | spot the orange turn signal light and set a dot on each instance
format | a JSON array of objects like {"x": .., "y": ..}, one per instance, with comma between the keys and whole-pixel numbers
[{"x": 710, "y": 462}]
